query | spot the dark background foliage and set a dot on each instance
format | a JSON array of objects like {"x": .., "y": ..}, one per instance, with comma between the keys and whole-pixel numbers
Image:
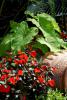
[{"x": 11, "y": 10}]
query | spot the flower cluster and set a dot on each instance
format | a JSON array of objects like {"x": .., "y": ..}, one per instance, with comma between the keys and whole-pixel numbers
[{"x": 26, "y": 71}]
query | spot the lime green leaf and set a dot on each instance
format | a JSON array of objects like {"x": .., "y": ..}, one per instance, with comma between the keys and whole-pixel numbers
[
  {"x": 51, "y": 19},
  {"x": 20, "y": 35},
  {"x": 53, "y": 47}
]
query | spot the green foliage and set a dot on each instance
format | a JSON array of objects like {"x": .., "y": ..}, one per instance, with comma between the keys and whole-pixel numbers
[
  {"x": 49, "y": 28},
  {"x": 20, "y": 35},
  {"x": 55, "y": 95},
  {"x": 52, "y": 95}
]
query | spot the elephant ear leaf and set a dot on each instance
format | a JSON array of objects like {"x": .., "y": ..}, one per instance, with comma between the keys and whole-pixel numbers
[
  {"x": 49, "y": 29},
  {"x": 50, "y": 19},
  {"x": 19, "y": 36}
]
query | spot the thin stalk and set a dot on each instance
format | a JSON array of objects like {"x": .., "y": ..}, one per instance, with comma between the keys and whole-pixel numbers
[{"x": 1, "y": 8}]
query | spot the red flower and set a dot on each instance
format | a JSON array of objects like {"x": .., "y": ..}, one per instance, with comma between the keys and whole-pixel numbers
[
  {"x": 37, "y": 70},
  {"x": 40, "y": 79},
  {"x": 20, "y": 72},
  {"x": 51, "y": 83},
  {"x": 22, "y": 61},
  {"x": 12, "y": 80},
  {"x": 54, "y": 69},
  {"x": 6, "y": 71},
  {"x": 16, "y": 78},
  {"x": 33, "y": 53},
  {"x": 43, "y": 67},
  {"x": 23, "y": 57},
  {"x": 3, "y": 77},
  {"x": 0, "y": 65},
  {"x": 9, "y": 59},
  {"x": 16, "y": 61},
  {"x": 5, "y": 89}
]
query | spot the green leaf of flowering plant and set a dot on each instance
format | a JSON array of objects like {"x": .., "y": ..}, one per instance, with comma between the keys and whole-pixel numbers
[
  {"x": 55, "y": 94},
  {"x": 2, "y": 82}
]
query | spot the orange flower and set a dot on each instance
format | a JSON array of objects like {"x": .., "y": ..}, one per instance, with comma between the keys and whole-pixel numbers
[{"x": 51, "y": 83}]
